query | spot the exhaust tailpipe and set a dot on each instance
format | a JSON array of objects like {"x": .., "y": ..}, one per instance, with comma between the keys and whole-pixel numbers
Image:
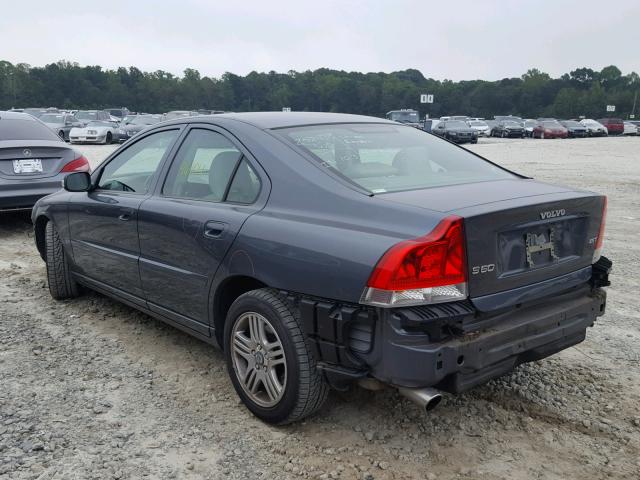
[{"x": 426, "y": 398}]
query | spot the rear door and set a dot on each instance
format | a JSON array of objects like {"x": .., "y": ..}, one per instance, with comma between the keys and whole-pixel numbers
[
  {"x": 103, "y": 223},
  {"x": 211, "y": 188}
]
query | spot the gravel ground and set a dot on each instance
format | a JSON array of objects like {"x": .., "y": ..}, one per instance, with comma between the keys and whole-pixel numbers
[{"x": 91, "y": 389}]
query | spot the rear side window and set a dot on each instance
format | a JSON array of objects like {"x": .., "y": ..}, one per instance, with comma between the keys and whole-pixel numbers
[
  {"x": 209, "y": 167},
  {"x": 386, "y": 158},
  {"x": 14, "y": 129}
]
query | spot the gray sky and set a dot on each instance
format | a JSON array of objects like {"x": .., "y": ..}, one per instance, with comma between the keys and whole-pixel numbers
[{"x": 454, "y": 39}]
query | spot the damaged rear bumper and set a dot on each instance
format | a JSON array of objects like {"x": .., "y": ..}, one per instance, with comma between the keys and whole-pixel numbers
[{"x": 451, "y": 346}]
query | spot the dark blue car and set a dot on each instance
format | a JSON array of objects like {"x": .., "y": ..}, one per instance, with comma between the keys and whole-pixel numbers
[{"x": 324, "y": 249}]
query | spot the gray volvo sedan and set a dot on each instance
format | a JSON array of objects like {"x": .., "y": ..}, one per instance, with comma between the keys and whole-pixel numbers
[
  {"x": 33, "y": 161},
  {"x": 321, "y": 249}
]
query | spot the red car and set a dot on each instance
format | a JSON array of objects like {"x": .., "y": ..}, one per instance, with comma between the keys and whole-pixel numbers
[
  {"x": 614, "y": 125},
  {"x": 549, "y": 129}
]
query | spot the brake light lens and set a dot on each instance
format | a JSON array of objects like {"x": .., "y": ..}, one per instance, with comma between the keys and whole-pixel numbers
[
  {"x": 80, "y": 164},
  {"x": 429, "y": 269},
  {"x": 600, "y": 240}
]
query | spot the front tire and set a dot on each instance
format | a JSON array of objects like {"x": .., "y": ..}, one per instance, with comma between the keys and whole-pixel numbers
[
  {"x": 61, "y": 285},
  {"x": 108, "y": 139},
  {"x": 269, "y": 361}
]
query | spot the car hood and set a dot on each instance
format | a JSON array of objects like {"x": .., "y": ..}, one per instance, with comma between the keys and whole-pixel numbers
[
  {"x": 459, "y": 197},
  {"x": 84, "y": 130}
]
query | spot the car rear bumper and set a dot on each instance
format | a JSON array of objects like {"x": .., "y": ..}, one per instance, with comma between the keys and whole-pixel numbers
[
  {"x": 451, "y": 346},
  {"x": 24, "y": 194}
]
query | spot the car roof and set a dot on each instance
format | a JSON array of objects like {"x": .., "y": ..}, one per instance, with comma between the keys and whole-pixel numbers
[
  {"x": 6, "y": 115},
  {"x": 269, "y": 120}
]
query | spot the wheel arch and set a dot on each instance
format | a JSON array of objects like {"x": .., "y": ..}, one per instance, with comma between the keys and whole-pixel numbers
[
  {"x": 39, "y": 228},
  {"x": 226, "y": 293}
]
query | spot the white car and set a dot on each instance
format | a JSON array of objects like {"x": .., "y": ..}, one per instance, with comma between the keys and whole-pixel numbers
[
  {"x": 594, "y": 129},
  {"x": 98, "y": 132},
  {"x": 630, "y": 129},
  {"x": 481, "y": 127}
]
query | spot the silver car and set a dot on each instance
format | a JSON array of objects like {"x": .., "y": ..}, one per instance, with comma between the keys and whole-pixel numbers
[
  {"x": 60, "y": 123},
  {"x": 33, "y": 161}
]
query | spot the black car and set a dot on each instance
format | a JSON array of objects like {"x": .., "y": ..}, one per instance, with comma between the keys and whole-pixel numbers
[
  {"x": 508, "y": 129},
  {"x": 320, "y": 249},
  {"x": 456, "y": 131},
  {"x": 33, "y": 161},
  {"x": 575, "y": 129}
]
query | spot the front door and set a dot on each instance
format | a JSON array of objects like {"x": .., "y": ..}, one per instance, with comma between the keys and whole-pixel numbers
[
  {"x": 186, "y": 229},
  {"x": 103, "y": 223}
]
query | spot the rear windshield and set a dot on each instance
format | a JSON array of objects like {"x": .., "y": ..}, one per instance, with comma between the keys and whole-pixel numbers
[
  {"x": 389, "y": 158},
  {"x": 86, "y": 115},
  {"x": 11, "y": 129},
  {"x": 52, "y": 118}
]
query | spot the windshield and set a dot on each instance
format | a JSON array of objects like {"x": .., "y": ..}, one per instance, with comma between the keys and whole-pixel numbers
[
  {"x": 388, "y": 158},
  {"x": 100, "y": 124},
  {"x": 511, "y": 123},
  {"x": 52, "y": 118},
  {"x": 477, "y": 123},
  {"x": 144, "y": 121},
  {"x": 86, "y": 115},
  {"x": 455, "y": 124},
  {"x": 412, "y": 117},
  {"x": 571, "y": 123},
  {"x": 551, "y": 124},
  {"x": 530, "y": 123}
]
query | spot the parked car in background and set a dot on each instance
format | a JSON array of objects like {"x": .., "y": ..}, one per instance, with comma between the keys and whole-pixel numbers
[
  {"x": 172, "y": 115},
  {"x": 550, "y": 129},
  {"x": 492, "y": 124},
  {"x": 508, "y": 129},
  {"x": 407, "y": 116},
  {"x": 594, "y": 129},
  {"x": 60, "y": 123},
  {"x": 120, "y": 113},
  {"x": 33, "y": 161},
  {"x": 529, "y": 125},
  {"x": 138, "y": 123},
  {"x": 318, "y": 249},
  {"x": 429, "y": 124},
  {"x": 615, "y": 126},
  {"x": 480, "y": 126},
  {"x": 456, "y": 131},
  {"x": 86, "y": 116},
  {"x": 630, "y": 129},
  {"x": 512, "y": 118},
  {"x": 574, "y": 129},
  {"x": 98, "y": 131}
]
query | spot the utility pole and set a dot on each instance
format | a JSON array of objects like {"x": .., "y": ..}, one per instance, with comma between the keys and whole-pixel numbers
[{"x": 633, "y": 110}]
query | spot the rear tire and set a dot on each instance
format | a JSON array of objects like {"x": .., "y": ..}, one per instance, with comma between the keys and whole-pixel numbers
[
  {"x": 250, "y": 358},
  {"x": 61, "y": 285}
]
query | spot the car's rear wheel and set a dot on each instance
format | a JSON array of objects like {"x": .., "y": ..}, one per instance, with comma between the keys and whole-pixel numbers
[
  {"x": 61, "y": 285},
  {"x": 270, "y": 363}
]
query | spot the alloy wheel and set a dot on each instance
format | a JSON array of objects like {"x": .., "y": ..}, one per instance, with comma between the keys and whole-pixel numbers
[{"x": 258, "y": 359}]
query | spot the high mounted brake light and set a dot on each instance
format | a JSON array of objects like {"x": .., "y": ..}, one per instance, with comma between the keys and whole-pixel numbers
[
  {"x": 600, "y": 240},
  {"x": 429, "y": 269},
  {"x": 80, "y": 164}
]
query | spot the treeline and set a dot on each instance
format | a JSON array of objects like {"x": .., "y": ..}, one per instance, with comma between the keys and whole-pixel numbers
[{"x": 68, "y": 85}]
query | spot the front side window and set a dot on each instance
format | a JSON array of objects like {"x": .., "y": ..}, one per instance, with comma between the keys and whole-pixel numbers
[
  {"x": 209, "y": 167},
  {"x": 133, "y": 169},
  {"x": 387, "y": 158}
]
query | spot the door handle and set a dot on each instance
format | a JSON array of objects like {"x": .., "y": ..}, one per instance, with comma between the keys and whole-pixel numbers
[
  {"x": 124, "y": 217},
  {"x": 214, "y": 229}
]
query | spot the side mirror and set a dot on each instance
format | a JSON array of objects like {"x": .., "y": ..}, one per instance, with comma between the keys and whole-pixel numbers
[{"x": 77, "y": 182}]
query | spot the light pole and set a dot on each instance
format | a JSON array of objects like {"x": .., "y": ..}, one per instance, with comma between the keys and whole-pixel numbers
[{"x": 13, "y": 87}]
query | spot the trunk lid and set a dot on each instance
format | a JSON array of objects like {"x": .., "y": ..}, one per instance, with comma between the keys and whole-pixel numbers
[
  {"x": 17, "y": 155},
  {"x": 518, "y": 232}
]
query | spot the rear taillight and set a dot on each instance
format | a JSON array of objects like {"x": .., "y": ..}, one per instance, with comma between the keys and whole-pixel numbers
[
  {"x": 429, "y": 269},
  {"x": 80, "y": 164},
  {"x": 600, "y": 240}
]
